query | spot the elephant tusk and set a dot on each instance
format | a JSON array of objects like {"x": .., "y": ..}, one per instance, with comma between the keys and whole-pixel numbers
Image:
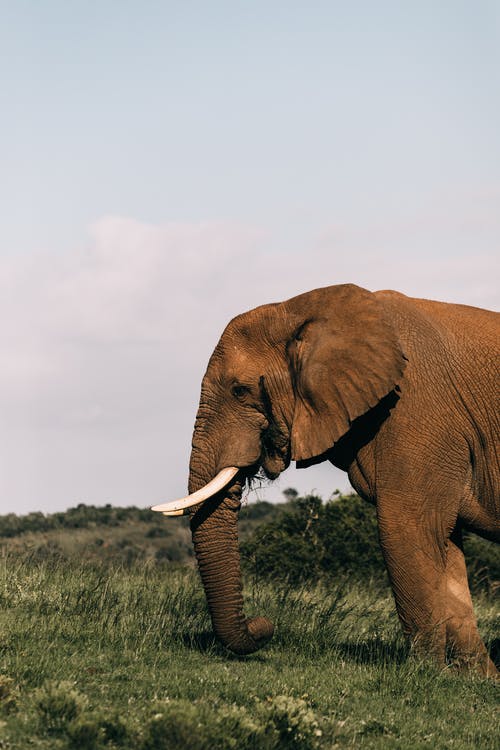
[{"x": 180, "y": 507}]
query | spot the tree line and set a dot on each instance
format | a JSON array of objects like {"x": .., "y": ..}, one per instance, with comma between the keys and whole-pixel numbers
[{"x": 302, "y": 539}]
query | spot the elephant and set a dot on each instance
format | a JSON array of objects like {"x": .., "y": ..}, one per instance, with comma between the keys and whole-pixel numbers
[{"x": 398, "y": 392}]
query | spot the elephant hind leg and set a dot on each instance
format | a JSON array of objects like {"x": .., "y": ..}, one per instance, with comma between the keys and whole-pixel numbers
[{"x": 462, "y": 634}]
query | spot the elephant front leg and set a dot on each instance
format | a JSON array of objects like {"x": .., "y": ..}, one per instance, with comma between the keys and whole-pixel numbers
[
  {"x": 416, "y": 567},
  {"x": 414, "y": 533},
  {"x": 467, "y": 647}
]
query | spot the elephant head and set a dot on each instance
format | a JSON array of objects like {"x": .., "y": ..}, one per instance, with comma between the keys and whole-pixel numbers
[{"x": 285, "y": 382}]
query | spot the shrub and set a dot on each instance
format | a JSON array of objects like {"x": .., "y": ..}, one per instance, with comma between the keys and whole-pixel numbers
[
  {"x": 158, "y": 531},
  {"x": 309, "y": 539},
  {"x": 85, "y": 733},
  {"x": 57, "y": 704},
  {"x": 350, "y": 537},
  {"x": 8, "y": 694},
  {"x": 257, "y": 510},
  {"x": 173, "y": 551},
  {"x": 280, "y": 723},
  {"x": 198, "y": 726},
  {"x": 295, "y": 723},
  {"x": 114, "y": 730},
  {"x": 483, "y": 563},
  {"x": 89, "y": 731}
]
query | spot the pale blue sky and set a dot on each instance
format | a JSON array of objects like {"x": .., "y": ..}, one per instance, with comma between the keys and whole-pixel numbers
[
  {"x": 250, "y": 111},
  {"x": 150, "y": 150}
]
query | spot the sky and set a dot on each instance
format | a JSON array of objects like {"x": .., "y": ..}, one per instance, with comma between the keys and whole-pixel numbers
[{"x": 165, "y": 166}]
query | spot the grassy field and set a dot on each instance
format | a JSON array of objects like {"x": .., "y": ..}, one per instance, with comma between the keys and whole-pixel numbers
[{"x": 99, "y": 655}]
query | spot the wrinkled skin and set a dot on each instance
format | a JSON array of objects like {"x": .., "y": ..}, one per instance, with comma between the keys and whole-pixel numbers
[{"x": 398, "y": 392}]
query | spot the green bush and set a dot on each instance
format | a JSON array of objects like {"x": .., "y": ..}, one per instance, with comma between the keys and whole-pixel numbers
[
  {"x": 57, "y": 704},
  {"x": 257, "y": 510},
  {"x": 483, "y": 563},
  {"x": 279, "y": 723},
  {"x": 95, "y": 730},
  {"x": 85, "y": 733},
  {"x": 295, "y": 723},
  {"x": 350, "y": 538},
  {"x": 173, "y": 551},
  {"x": 198, "y": 726},
  {"x": 8, "y": 694},
  {"x": 310, "y": 539}
]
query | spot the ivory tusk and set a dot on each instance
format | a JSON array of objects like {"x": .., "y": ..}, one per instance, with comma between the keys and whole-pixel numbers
[{"x": 179, "y": 507}]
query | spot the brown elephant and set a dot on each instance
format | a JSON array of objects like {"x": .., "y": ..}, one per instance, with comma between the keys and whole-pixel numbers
[{"x": 398, "y": 392}]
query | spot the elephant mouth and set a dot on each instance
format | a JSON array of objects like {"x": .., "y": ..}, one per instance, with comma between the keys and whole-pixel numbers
[
  {"x": 274, "y": 459},
  {"x": 272, "y": 466},
  {"x": 275, "y": 456}
]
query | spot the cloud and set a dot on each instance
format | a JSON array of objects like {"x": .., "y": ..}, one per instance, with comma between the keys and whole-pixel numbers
[{"x": 103, "y": 348}]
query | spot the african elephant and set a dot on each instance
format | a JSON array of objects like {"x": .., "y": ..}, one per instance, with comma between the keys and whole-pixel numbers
[{"x": 398, "y": 392}]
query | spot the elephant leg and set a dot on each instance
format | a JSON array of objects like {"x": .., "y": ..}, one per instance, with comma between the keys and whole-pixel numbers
[
  {"x": 419, "y": 586},
  {"x": 416, "y": 567},
  {"x": 462, "y": 634}
]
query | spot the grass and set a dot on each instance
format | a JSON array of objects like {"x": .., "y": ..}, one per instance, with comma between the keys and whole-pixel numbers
[{"x": 99, "y": 656}]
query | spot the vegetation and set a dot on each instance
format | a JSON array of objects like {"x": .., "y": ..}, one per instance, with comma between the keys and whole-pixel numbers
[
  {"x": 120, "y": 536},
  {"x": 303, "y": 539},
  {"x": 112, "y": 651},
  {"x": 308, "y": 540}
]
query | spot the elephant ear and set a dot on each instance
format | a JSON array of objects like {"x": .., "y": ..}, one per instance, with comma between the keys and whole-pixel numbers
[{"x": 344, "y": 357}]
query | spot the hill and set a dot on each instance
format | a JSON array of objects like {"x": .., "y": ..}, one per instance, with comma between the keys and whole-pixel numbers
[{"x": 110, "y": 534}]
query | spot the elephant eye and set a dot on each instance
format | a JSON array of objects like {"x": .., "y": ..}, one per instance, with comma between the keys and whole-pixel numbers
[{"x": 239, "y": 391}]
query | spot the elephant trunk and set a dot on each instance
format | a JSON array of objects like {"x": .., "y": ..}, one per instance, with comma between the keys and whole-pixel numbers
[{"x": 215, "y": 537}]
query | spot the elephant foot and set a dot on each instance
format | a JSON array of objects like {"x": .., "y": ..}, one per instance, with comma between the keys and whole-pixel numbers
[{"x": 480, "y": 665}]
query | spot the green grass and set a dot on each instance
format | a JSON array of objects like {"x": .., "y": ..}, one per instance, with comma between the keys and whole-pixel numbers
[{"x": 96, "y": 656}]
